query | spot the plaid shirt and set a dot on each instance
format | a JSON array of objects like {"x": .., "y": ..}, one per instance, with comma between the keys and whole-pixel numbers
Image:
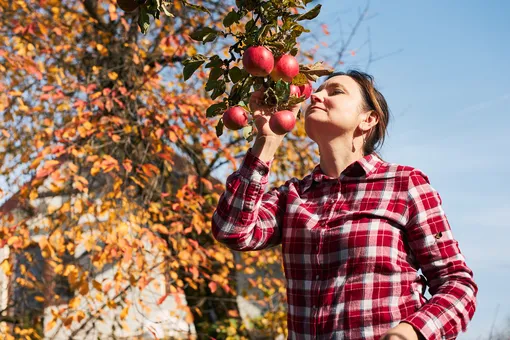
[{"x": 352, "y": 247}]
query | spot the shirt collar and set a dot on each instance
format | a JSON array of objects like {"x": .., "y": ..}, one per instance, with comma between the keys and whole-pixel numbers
[{"x": 363, "y": 167}]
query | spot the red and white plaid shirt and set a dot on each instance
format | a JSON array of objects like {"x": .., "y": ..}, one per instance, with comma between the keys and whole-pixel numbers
[{"x": 352, "y": 247}]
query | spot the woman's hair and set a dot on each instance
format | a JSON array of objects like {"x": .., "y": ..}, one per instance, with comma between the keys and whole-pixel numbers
[{"x": 372, "y": 100}]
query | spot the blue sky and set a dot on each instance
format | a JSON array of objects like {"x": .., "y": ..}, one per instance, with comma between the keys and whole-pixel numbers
[
  {"x": 448, "y": 89},
  {"x": 449, "y": 93}
]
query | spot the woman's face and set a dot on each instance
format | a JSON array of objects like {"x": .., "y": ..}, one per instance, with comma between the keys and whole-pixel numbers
[{"x": 334, "y": 109}]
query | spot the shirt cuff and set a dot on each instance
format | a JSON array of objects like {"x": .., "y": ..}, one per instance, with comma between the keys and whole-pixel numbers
[
  {"x": 425, "y": 323},
  {"x": 255, "y": 169}
]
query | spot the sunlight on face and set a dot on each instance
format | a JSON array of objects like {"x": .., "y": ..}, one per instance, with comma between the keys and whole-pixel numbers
[{"x": 333, "y": 109}]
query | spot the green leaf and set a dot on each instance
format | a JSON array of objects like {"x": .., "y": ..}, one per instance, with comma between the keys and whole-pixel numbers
[
  {"x": 311, "y": 14},
  {"x": 191, "y": 65},
  {"x": 201, "y": 33},
  {"x": 261, "y": 34},
  {"x": 250, "y": 25},
  {"x": 215, "y": 109},
  {"x": 144, "y": 20},
  {"x": 282, "y": 89},
  {"x": 190, "y": 69},
  {"x": 214, "y": 61},
  {"x": 230, "y": 18},
  {"x": 219, "y": 128},
  {"x": 215, "y": 73},
  {"x": 212, "y": 84},
  {"x": 218, "y": 90},
  {"x": 235, "y": 74},
  {"x": 210, "y": 37},
  {"x": 248, "y": 133},
  {"x": 197, "y": 7},
  {"x": 300, "y": 79}
]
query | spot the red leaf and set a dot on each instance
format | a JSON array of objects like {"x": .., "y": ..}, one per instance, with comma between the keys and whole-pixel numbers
[{"x": 213, "y": 286}]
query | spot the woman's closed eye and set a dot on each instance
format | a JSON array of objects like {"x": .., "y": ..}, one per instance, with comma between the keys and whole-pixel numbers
[{"x": 337, "y": 92}]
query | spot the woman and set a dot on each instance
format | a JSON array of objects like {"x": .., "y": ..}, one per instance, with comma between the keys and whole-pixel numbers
[{"x": 355, "y": 231}]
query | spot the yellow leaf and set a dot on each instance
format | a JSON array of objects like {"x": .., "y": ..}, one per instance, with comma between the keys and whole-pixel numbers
[
  {"x": 80, "y": 316},
  {"x": 6, "y": 267},
  {"x": 50, "y": 325},
  {"x": 74, "y": 302},
  {"x": 219, "y": 257},
  {"x": 84, "y": 287},
  {"x": 78, "y": 206},
  {"x": 113, "y": 75},
  {"x": 39, "y": 298},
  {"x": 124, "y": 313},
  {"x": 97, "y": 285}
]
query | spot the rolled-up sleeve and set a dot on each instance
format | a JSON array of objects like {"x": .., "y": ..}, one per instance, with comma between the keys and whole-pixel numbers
[
  {"x": 246, "y": 218},
  {"x": 451, "y": 285}
]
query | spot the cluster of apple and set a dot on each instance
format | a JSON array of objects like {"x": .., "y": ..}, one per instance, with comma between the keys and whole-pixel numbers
[{"x": 260, "y": 62}]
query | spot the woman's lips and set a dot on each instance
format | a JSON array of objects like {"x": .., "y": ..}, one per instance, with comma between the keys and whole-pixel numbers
[{"x": 311, "y": 108}]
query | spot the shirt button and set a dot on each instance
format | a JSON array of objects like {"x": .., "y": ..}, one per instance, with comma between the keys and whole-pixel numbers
[
  {"x": 263, "y": 172},
  {"x": 316, "y": 277}
]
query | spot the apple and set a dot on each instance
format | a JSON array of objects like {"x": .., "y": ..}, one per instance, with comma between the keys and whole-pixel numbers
[
  {"x": 306, "y": 89},
  {"x": 235, "y": 118},
  {"x": 286, "y": 67},
  {"x": 258, "y": 61},
  {"x": 129, "y": 5},
  {"x": 282, "y": 122},
  {"x": 295, "y": 91}
]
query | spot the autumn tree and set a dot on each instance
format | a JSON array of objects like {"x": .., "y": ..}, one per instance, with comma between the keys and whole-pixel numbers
[{"x": 111, "y": 153}]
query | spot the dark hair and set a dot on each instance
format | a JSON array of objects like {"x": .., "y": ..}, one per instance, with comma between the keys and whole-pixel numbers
[{"x": 372, "y": 100}]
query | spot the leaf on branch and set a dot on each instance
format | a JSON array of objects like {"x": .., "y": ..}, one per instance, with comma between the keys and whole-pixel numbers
[
  {"x": 216, "y": 109},
  {"x": 214, "y": 61},
  {"x": 311, "y": 14},
  {"x": 235, "y": 74},
  {"x": 313, "y": 72},
  {"x": 197, "y": 7},
  {"x": 248, "y": 133},
  {"x": 205, "y": 34},
  {"x": 219, "y": 90},
  {"x": 219, "y": 128},
  {"x": 231, "y": 18},
  {"x": 144, "y": 20},
  {"x": 213, "y": 286},
  {"x": 215, "y": 73},
  {"x": 192, "y": 64}
]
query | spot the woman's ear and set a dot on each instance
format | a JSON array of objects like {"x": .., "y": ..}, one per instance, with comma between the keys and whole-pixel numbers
[{"x": 369, "y": 121}]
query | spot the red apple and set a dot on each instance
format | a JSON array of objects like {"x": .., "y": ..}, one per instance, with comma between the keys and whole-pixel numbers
[
  {"x": 235, "y": 118},
  {"x": 306, "y": 90},
  {"x": 258, "y": 61},
  {"x": 128, "y": 5},
  {"x": 295, "y": 91},
  {"x": 282, "y": 122},
  {"x": 286, "y": 67}
]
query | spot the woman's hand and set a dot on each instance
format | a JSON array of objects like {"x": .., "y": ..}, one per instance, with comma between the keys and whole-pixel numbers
[
  {"x": 262, "y": 113},
  {"x": 403, "y": 331}
]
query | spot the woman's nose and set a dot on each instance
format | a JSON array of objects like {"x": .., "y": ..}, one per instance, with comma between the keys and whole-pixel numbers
[{"x": 314, "y": 98}]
